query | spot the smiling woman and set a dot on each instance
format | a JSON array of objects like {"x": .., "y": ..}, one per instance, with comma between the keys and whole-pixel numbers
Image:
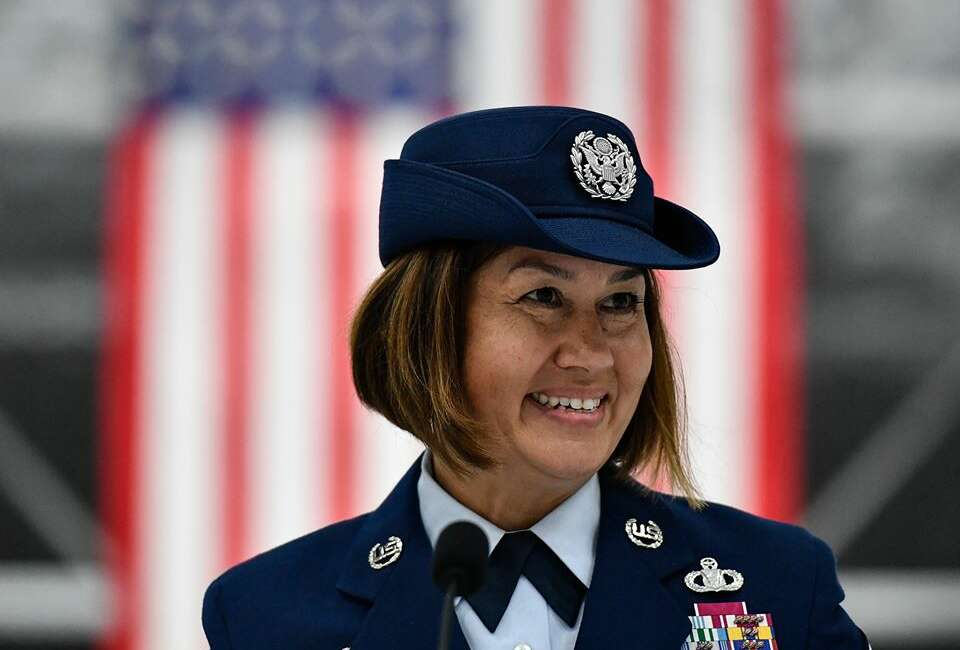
[{"x": 516, "y": 331}]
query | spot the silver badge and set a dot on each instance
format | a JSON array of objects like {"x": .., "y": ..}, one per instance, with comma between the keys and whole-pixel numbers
[
  {"x": 608, "y": 171},
  {"x": 647, "y": 535},
  {"x": 712, "y": 578},
  {"x": 383, "y": 554}
]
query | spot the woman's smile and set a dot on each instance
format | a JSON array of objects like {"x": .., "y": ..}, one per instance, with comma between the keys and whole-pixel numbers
[{"x": 570, "y": 416}]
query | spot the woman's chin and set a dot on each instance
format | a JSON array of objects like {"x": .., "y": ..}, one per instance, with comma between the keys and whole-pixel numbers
[{"x": 565, "y": 459}]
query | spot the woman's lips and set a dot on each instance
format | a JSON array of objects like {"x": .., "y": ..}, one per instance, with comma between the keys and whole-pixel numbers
[{"x": 568, "y": 416}]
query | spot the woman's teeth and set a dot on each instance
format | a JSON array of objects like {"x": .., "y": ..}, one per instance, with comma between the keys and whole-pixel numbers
[{"x": 573, "y": 404}]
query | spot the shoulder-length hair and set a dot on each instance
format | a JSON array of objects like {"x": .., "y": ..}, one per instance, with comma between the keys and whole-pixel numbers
[{"x": 407, "y": 342}]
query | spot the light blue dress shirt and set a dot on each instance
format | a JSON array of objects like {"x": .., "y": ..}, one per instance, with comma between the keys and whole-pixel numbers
[{"x": 570, "y": 530}]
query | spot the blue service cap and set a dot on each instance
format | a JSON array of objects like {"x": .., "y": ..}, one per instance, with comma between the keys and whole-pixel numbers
[{"x": 554, "y": 178}]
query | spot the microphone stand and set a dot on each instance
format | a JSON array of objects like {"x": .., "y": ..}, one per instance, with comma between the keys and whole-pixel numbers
[{"x": 445, "y": 617}]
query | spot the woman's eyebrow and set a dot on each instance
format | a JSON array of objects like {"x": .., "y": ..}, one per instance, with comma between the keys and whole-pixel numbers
[{"x": 565, "y": 274}]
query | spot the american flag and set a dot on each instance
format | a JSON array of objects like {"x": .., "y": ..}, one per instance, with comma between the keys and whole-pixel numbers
[{"x": 241, "y": 231}]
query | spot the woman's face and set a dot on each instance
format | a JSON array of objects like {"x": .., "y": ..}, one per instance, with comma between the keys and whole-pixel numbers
[{"x": 541, "y": 322}]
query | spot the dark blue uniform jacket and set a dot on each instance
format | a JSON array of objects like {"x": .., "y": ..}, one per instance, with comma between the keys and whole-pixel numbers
[{"x": 319, "y": 591}]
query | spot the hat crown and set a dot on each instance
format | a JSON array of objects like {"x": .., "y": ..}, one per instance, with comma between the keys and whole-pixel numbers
[
  {"x": 502, "y": 133},
  {"x": 527, "y": 151}
]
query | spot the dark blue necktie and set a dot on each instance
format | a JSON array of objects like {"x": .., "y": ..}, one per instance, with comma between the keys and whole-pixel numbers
[{"x": 522, "y": 552}]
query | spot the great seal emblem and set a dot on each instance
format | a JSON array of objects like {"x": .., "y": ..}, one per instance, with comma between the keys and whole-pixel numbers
[{"x": 604, "y": 166}]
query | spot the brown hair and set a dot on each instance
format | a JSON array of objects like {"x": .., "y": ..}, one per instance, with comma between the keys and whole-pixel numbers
[{"x": 407, "y": 348}]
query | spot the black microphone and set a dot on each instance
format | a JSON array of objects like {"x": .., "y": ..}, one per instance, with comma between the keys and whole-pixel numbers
[{"x": 459, "y": 567}]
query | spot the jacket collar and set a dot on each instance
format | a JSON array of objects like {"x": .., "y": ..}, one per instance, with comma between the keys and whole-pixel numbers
[
  {"x": 406, "y": 605},
  {"x": 570, "y": 529},
  {"x": 627, "y": 599},
  {"x": 626, "y": 596}
]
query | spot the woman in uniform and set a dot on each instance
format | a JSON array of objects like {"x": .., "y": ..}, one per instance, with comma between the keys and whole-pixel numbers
[{"x": 516, "y": 331}]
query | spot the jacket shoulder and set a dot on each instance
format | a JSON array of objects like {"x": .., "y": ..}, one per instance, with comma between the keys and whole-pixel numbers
[
  {"x": 727, "y": 525},
  {"x": 254, "y": 603},
  {"x": 317, "y": 553}
]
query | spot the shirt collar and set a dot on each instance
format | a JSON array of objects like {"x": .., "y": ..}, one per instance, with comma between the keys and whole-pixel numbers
[{"x": 570, "y": 529}]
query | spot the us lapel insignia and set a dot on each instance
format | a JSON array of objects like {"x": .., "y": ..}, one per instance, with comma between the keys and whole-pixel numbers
[
  {"x": 647, "y": 535},
  {"x": 712, "y": 578},
  {"x": 728, "y": 626},
  {"x": 383, "y": 554}
]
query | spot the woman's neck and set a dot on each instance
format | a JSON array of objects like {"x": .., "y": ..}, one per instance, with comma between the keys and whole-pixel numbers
[{"x": 509, "y": 499}]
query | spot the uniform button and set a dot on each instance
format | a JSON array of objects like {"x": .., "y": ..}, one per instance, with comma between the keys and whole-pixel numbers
[{"x": 522, "y": 646}]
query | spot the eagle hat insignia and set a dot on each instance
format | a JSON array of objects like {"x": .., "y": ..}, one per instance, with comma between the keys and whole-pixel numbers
[
  {"x": 604, "y": 166},
  {"x": 712, "y": 578},
  {"x": 383, "y": 554},
  {"x": 647, "y": 535}
]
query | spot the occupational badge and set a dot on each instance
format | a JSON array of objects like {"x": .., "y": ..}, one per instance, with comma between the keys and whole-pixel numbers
[
  {"x": 712, "y": 578},
  {"x": 383, "y": 554},
  {"x": 726, "y": 626},
  {"x": 647, "y": 535},
  {"x": 604, "y": 166}
]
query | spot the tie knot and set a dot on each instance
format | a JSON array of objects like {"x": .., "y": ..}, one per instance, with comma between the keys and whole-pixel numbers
[
  {"x": 519, "y": 542},
  {"x": 523, "y": 553}
]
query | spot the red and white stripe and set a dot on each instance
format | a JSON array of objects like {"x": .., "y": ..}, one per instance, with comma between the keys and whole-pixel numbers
[{"x": 237, "y": 247}]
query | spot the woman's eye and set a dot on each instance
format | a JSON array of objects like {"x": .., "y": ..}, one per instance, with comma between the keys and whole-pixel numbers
[
  {"x": 542, "y": 291},
  {"x": 629, "y": 303},
  {"x": 625, "y": 303}
]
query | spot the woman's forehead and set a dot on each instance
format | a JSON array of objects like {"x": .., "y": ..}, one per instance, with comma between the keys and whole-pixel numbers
[{"x": 519, "y": 259}]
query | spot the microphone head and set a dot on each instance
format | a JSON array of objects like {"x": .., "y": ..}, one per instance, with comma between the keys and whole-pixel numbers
[{"x": 460, "y": 558}]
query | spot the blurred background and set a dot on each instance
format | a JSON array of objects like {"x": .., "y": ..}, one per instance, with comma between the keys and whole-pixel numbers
[{"x": 188, "y": 215}]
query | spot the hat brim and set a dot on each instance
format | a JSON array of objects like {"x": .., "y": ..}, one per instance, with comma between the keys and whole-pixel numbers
[
  {"x": 423, "y": 202},
  {"x": 681, "y": 240}
]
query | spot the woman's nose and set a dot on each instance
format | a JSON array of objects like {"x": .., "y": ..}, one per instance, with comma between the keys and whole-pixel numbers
[{"x": 584, "y": 343}]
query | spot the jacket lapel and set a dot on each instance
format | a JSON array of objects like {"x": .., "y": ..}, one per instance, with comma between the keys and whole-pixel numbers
[
  {"x": 405, "y": 604},
  {"x": 627, "y": 605}
]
